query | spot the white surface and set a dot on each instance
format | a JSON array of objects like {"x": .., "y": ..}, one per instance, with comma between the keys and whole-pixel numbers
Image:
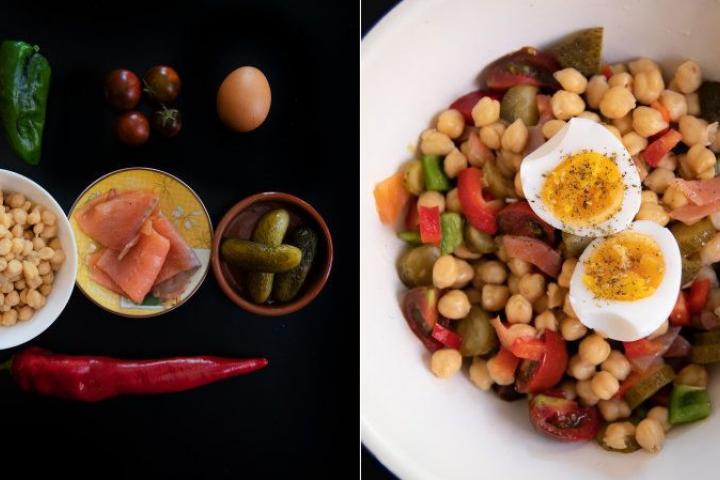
[
  {"x": 577, "y": 135},
  {"x": 64, "y": 282},
  {"x": 414, "y": 63},
  {"x": 630, "y": 320}
]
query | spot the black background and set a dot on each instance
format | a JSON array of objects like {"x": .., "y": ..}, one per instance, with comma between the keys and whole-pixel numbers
[
  {"x": 298, "y": 416},
  {"x": 372, "y": 12}
]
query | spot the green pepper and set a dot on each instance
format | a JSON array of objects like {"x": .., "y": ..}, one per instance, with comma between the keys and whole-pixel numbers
[
  {"x": 646, "y": 387},
  {"x": 452, "y": 232},
  {"x": 24, "y": 85},
  {"x": 411, "y": 236},
  {"x": 435, "y": 178},
  {"x": 688, "y": 404}
]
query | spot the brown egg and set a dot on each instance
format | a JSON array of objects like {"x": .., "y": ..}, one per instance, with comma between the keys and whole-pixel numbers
[{"x": 243, "y": 100}]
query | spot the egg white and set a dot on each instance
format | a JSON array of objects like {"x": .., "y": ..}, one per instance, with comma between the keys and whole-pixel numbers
[
  {"x": 578, "y": 135},
  {"x": 630, "y": 320}
]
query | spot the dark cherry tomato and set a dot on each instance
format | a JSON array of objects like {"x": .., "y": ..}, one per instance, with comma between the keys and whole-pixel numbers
[
  {"x": 167, "y": 122},
  {"x": 518, "y": 218},
  {"x": 527, "y": 66},
  {"x": 122, "y": 89},
  {"x": 466, "y": 103},
  {"x": 420, "y": 311},
  {"x": 539, "y": 375},
  {"x": 563, "y": 419},
  {"x": 162, "y": 84},
  {"x": 132, "y": 128}
]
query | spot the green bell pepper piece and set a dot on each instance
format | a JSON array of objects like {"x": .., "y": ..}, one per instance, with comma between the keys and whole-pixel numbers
[
  {"x": 24, "y": 86},
  {"x": 451, "y": 225},
  {"x": 435, "y": 178},
  {"x": 688, "y": 404}
]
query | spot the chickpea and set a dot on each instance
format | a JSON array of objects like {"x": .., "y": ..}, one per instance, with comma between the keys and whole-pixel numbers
[
  {"x": 451, "y": 123},
  {"x": 452, "y": 202},
  {"x": 29, "y": 270},
  {"x": 23, "y": 293},
  {"x": 14, "y": 268},
  {"x": 551, "y": 127},
  {"x": 19, "y": 215},
  {"x": 57, "y": 259},
  {"x": 571, "y": 329},
  {"x": 7, "y": 287},
  {"x": 642, "y": 65},
  {"x": 594, "y": 349},
  {"x": 49, "y": 231},
  {"x": 693, "y": 104},
  {"x": 694, "y": 130},
  {"x": 660, "y": 414},
  {"x": 614, "y": 130},
  {"x": 427, "y": 199},
  {"x": 612, "y": 410},
  {"x": 623, "y": 124},
  {"x": 621, "y": 79},
  {"x": 674, "y": 198},
  {"x": 519, "y": 267},
  {"x": 5, "y": 246},
  {"x": 588, "y": 115},
  {"x": 568, "y": 267},
  {"x": 650, "y": 435},
  {"x": 647, "y": 86},
  {"x": 25, "y": 313},
  {"x": 571, "y": 80},
  {"x": 445, "y": 271},
  {"x": 27, "y": 249},
  {"x": 647, "y": 196},
  {"x": 454, "y": 163},
  {"x": 454, "y": 305},
  {"x": 9, "y": 317},
  {"x": 515, "y": 137},
  {"x": 710, "y": 253},
  {"x": 479, "y": 375},
  {"x": 585, "y": 392},
  {"x": 492, "y": 271},
  {"x": 648, "y": 121},
  {"x": 634, "y": 143},
  {"x": 617, "y": 102},
  {"x": 567, "y": 307},
  {"x": 494, "y": 297},
  {"x": 555, "y": 295},
  {"x": 653, "y": 212},
  {"x": 15, "y": 200},
  {"x": 531, "y": 286},
  {"x": 604, "y": 385},
  {"x": 45, "y": 253},
  {"x": 55, "y": 244},
  {"x": 518, "y": 309},
  {"x": 567, "y": 388},
  {"x": 513, "y": 281},
  {"x": 501, "y": 252},
  {"x": 693, "y": 375},
  {"x": 38, "y": 228},
  {"x": 498, "y": 374},
  {"x": 580, "y": 369},
  {"x": 432, "y": 142},
  {"x": 566, "y": 104},
  {"x": 617, "y": 365},
  {"x": 675, "y": 103},
  {"x": 617, "y": 435},
  {"x": 12, "y": 298},
  {"x": 517, "y": 183},
  {"x": 595, "y": 90},
  {"x": 45, "y": 289},
  {"x": 490, "y": 135},
  {"x": 546, "y": 321},
  {"x": 35, "y": 299},
  {"x": 34, "y": 216},
  {"x": 445, "y": 363},
  {"x": 659, "y": 179},
  {"x": 461, "y": 251},
  {"x": 485, "y": 112},
  {"x": 48, "y": 218},
  {"x": 668, "y": 161},
  {"x": 688, "y": 77}
]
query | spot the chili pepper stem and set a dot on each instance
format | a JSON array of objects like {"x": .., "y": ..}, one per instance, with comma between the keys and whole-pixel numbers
[{"x": 6, "y": 365}]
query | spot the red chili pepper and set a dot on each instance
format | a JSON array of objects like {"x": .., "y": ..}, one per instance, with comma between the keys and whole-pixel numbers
[
  {"x": 93, "y": 378},
  {"x": 476, "y": 209},
  {"x": 430, "y": 231},
  {"x": 698, "y": 294}
]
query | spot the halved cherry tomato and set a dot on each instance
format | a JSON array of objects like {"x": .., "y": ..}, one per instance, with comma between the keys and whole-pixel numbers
[
  {"x": 658, "y": 148},
  {"x": 563, "y": 419},
  {"x": 680, "y": 316},
  {"x": 430, "y": 231},
  {"x": 466, "y": 103},
  {"x": 697, "y": 295},
  {"x": 419, "y": 308},
  {"x": 446, "y": 336},
  {"x": 518, "y": 218},
  {"x": 529, "y": 348},
  {"x": 505, "y": 362},
  {"x": 527, "y": 66},
  {"x": 537, "y": 376}
]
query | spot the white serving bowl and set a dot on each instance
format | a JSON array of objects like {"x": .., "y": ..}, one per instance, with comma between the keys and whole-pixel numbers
[
  {"x": 64, "y": 281},
  {"x": 417, "y": 60}
]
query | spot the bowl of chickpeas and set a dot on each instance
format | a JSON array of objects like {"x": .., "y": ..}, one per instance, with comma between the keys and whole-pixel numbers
[{"x": 38, "y": 260}]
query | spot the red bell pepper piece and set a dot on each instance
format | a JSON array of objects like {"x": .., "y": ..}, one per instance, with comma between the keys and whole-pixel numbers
[
  {"x": 430, "y": 231},
  {"x": 477, "y": 211},
  {"x": 530, "y": 348},
  {"x": 539, "y": 375},
  {"x": 680, "y": 315},
  {"x": 91, "y": 379},
  {"x": 641, "y": 348},
  {"x": 657, "y": 149},
  {"x": 466, "y": 103},
  {"x": 697, "y": 295},
  {"x": 506, "y": 362},
  {"x": 446, "y": 336}
]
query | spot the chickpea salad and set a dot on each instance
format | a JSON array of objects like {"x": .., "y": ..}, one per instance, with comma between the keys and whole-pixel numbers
[{"x": 562, "y": 230}]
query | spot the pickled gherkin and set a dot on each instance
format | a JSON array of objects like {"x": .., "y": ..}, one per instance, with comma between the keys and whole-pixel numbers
[
  {"x": 288, "y": 284},
  {"x": 270, "y": 230},
  {"x": 259, "y": 257}
]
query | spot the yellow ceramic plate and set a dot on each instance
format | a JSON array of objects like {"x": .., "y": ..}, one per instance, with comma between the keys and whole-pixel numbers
[{"x": 179, "y": 203}]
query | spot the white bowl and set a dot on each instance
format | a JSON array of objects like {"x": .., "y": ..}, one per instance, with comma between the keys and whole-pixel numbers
[
  {"x": 64, "y": 281},
  {"x": 417, "y": 60}
]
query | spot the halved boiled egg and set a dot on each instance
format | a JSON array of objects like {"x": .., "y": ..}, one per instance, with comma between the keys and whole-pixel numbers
[
  {"x": 582, "y": 181},
  {"x": 625, "y": 285}
]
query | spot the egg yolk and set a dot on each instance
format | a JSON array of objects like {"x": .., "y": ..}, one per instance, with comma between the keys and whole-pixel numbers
[
  {"x": 586, "y": 188},
  {"x": 626, "y": 266}
]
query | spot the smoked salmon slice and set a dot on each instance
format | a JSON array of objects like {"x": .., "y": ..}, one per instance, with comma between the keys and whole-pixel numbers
[
  {"x": 114, "y": 219},
  {"x": 100, "y": 277},
  {"x": 181, "y": 257},
  {"x": 135, "y": 273}
]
